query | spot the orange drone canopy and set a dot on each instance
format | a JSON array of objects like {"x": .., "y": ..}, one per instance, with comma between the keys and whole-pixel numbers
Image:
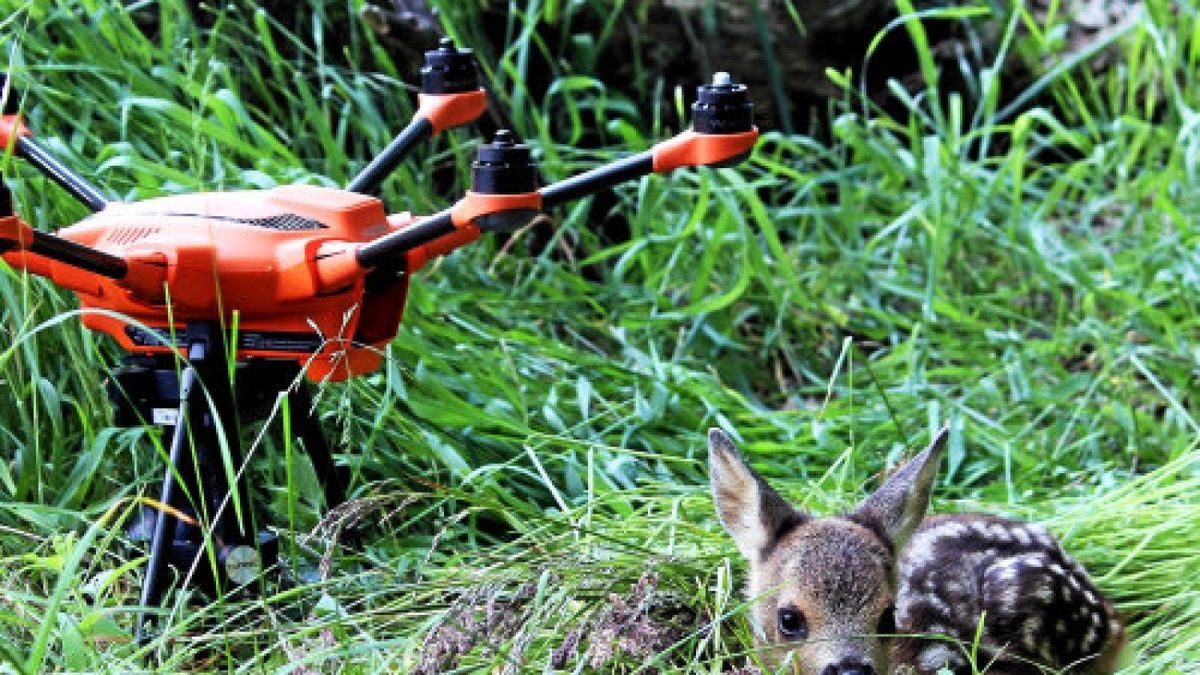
[{"x": 248, "y": 259}]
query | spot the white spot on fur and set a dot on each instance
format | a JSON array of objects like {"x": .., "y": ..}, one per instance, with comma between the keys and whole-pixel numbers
[
  {"x": 1060, "y": 628},
  {"x": 1044, "y": 593},
  {"x": 1042, "y": 537},
  {"x": 938, "y": 604},
  {"x": 1001, "y": 533},
  {"x": 920, "y": 551},
  {"x": 1008, "y": 596},
  {"x": 1007, "y": 570},
  {"x": 1004, "y": 574},
  {"x": 1091, "y": 597},
  {"x": 903, "y": 609},
  {"x": 1096, "y": 620},
  {"x": 1022, "y": 535},
  {"x": 1089, "y": 639},
  {"x": 935, "y": 656},
  {"x": 1029, "y": 633}
]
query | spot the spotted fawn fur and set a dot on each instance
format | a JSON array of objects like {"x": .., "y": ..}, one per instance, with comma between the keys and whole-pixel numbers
[{"x": 883, "y": 589}]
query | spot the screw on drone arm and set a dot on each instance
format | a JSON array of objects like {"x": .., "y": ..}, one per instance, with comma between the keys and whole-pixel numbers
[
  {"x": 12, "y": 129},
  {"x": 450, "y": 96},
  {"x": 722, "y": 134}
]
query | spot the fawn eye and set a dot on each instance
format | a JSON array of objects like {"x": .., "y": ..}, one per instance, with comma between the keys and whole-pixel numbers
[
  {"x": 792, "y": 624},
  {"x": 887, "y": 621}
]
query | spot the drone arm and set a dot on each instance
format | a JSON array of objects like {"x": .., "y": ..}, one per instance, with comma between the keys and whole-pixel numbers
[
  {"x": 450, "y": 97},
  {"x": 75, "y": 266},
  {"x": 597, "y": 179},
  {"x": 84, "y": 192},
  {"x": 430, "y": 237},
  {"x": 13, "y": 130},
  {"x": 436, "y": 113},
  {"x": 411, "y": 237},
  {"x": 16, "y": 234},
  {"x": 689, "y": 148},
  {"x": 369, "y": 179}
]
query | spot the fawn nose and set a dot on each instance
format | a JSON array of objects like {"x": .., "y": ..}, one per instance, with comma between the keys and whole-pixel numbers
[{"x": 848, "y": 668}]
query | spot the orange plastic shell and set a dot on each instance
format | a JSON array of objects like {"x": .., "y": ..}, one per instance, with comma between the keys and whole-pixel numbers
[
  {"x": 17, "y": 231},
  {"x": 11, "y": 126},
  {"x": 474, "y": 205},
  {"x": 258, "y": 255},
  {"x": 695, "y": 149},
  {"x": 283, "y": 261},
  {"x": 416, "y": 258},
  {"x": 463, "y": 215},
  {"x": 445, "y": 111}
]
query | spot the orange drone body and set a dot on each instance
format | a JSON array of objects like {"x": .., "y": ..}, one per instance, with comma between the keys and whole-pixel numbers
[{"x": 262, "y": 261}]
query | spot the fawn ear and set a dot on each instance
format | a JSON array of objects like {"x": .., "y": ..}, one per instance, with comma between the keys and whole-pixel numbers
[
  {"x": 898, "y": 506},
  {"x": 753, "y": 513}
]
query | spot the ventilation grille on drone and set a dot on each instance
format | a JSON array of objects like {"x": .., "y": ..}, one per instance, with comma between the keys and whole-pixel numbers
[
  {"x": 122, "y": 235},
  {"x": 288, "y": 221}
]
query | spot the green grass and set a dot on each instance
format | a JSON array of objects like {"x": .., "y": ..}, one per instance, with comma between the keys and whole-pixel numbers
[{"x": 1024, "y": 268}]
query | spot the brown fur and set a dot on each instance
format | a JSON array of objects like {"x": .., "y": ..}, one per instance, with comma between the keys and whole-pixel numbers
[{"x": 842, "y": 574}]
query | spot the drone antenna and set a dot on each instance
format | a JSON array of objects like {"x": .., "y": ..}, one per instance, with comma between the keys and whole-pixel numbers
[
  {"x": 29, "y": 150},
  {"x": 450, "y": 96}
]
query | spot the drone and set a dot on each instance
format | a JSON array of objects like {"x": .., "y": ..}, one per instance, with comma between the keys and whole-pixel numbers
[{"x": 290, "y": 284}]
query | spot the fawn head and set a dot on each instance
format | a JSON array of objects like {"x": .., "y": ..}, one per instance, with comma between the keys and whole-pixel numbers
[{"x": 823, "y": 590}]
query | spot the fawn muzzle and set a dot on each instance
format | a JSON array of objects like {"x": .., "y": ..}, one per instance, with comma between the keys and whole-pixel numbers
[{"x": 848, "y": 668}]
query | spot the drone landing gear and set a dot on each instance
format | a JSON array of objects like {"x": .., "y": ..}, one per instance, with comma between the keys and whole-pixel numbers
[{"x": 204, "y": 524}]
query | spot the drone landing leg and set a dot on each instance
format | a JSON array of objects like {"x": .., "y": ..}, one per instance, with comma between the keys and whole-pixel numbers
[
  {"x": 197, "y": 528},
  {"x": 164, "y": 523},
  {"x": 333, "y": 479}
]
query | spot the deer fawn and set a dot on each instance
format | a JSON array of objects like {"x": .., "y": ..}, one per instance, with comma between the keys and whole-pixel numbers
[{"x": 885, "y": 588}]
